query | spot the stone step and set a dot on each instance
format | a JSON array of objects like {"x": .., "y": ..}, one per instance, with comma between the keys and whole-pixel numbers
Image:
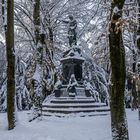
[
  {"x": 73, "y": 105},
  {"x": 66, "y": 106},
  {"x": 90, "y": 114},
  {"x": 72, "y": 100},
  {"x": 75, "y": 110}
]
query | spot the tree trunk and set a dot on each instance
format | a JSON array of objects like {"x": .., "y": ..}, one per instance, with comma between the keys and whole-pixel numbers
[
  {"x": 138, "y": 46},
  {"x": 138, "y": 31},
  {"x": 36, "y": 19},
  {"x": 10, "y": 65},
  {"x": 50, "y": 43},
  {"x": 37, "y": 83},
  {"x": 139, "y": 104},
  {"x": 51, "y": 40},
  {"x": 134, "y": 92},
  {"x": 117, "y": 57}
]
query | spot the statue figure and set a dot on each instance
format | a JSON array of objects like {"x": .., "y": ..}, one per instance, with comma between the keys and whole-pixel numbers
[
  {"x": 90, "y": 90},
  {"x": 72, "y": 86},
  {"x": 72, "y": 35},
  {"x": 58, "y": 84}
]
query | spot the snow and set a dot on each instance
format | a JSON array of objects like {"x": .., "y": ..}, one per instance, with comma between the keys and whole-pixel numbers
[
  {"x": 73, "y": 57},
  {"x": 69, "y": 128},
  {"x": 80, "y": 114},
  {"x": 75, "y": 104},
  {"x": 133, "y": 125},
  {"x": 79, "y": 109},
  {"x": 36, "y": 75},
  {"x": 116, "y": 10},
  {"x": 71, "y": 99},
  {"x": 138, "y": 37}
]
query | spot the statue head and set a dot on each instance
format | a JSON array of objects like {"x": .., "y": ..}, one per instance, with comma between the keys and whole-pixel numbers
[
  {"x": 72, "y": 77},
  {"x": 71, "y": 17}
]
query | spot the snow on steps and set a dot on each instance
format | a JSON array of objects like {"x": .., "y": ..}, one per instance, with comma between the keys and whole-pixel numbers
[
  {"x": 63, "y": 100},
  {"x": 81, "y": 114},
  {"x": 75, "y": 110},
  {"x": 70, "y": 105},
  {"x": 63, "y": 106}
]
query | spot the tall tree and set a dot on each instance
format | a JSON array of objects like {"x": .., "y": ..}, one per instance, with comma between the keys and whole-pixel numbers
[
  {"x": 37, "y": 80},
  {"x": 138, "y": 45},
  {"x": 138, "y": 31},
  {"x": 118, "y": 76},
  {"x": 10, "y": 65},
  {"x": 36, "y": 19}
]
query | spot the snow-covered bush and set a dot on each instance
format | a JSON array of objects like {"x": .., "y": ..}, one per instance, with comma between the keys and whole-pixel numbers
[
  {"x": 97, "y": 78},
  {"x": 3, "y": 98}
]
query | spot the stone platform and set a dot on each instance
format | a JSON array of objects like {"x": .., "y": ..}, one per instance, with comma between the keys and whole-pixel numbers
[
  {"x": 78, "y": 106},
  {"x": 73, "y": 93}
]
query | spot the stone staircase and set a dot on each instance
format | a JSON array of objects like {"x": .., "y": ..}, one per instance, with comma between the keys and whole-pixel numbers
[{"x": 78, "y": 106}]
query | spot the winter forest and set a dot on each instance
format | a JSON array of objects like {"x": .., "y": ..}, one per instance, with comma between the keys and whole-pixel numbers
[{"x": 69, "y": 69}]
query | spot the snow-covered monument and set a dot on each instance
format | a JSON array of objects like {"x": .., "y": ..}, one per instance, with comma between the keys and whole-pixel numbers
[
  {"x": 72, "y": 79},
  {"x": 73, "y": 93}
]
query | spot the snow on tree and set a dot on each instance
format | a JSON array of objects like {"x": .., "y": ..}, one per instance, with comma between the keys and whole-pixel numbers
[
  {"x": 3, "y": 97},
  {"x": 3, "y": 78},
  {"x": 22, "y": 94},
  {"x": 97, "y": 77},
  {"x": 2, "y": 62}
]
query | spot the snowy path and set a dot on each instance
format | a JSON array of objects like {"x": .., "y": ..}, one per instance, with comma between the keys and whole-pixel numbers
[{"x": 52, "y": 128}]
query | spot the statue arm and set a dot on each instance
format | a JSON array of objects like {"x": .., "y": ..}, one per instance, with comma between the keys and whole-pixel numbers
[
  {"x": 65, "y": 21},
  {"x": 73, "y": 27},
  {"x": 74, "y": 83}
]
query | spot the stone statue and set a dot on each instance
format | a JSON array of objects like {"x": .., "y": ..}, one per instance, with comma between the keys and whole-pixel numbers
[
  {"x": 72, "y": 86},
  {"x": 72, "y": 35}
]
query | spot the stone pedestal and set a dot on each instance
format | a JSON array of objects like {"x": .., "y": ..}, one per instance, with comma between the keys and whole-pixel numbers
[{"x": 72, "y": 62}]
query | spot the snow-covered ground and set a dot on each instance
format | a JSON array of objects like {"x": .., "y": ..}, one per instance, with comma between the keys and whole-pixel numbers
[{"x": 72, "y": 128}]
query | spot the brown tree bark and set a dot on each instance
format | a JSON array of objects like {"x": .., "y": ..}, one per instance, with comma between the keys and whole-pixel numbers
[
  {"x": 134, "y": 92},
  {"x": 10, "y": 65},
  {"x": 36, "y": 20},
  {"x": 138, "y": 46},
  {"x": 118, "y": 76},
  {"x": 138, "y": 31}
]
